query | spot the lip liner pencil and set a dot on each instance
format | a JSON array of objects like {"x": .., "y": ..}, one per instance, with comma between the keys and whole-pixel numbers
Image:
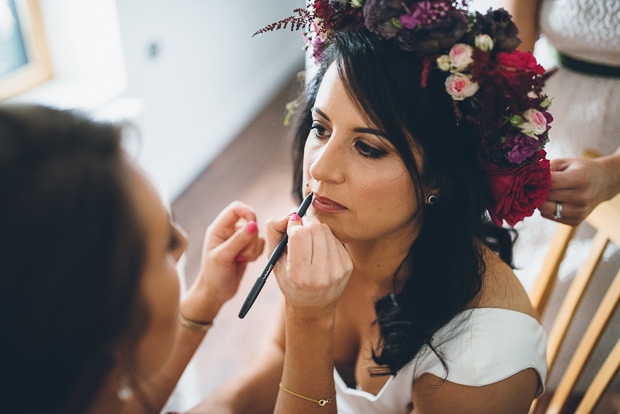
[{"x": 277, "y": 252}]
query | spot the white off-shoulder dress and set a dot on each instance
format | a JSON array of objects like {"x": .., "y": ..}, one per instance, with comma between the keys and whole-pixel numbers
[{"x": 480, "y": 347}]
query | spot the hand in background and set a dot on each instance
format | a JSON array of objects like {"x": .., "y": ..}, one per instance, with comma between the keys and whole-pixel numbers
[
  {"x": 315, "y": 268},
  {"x": 580, "y": 185},
  {"x": 230, "y": 243}
]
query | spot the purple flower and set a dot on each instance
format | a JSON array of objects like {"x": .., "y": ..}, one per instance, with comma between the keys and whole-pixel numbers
[
  {"x": 418, "y": 15},
  {"x": 521, "y": 147},
  {"x": 549, "y": 118}
]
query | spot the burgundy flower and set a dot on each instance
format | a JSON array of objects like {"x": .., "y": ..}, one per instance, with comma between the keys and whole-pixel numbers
[
  {"x": 338, "y": 5},
  {"x": 438, "y": 36},
  {"x": 499, "y": 25},
  {"x": 516, "y": 192},
  {"x": 378, "y": 15}
]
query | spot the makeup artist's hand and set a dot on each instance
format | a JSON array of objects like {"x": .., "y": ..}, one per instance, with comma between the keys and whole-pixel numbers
[
  {"x": 315, "y": 268},
  {"x": 230, "y": 243},
  {"x": 581, "y": 184}
]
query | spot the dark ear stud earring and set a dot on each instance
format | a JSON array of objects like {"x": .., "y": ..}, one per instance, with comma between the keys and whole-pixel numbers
[{"x": 432, "y": 199}]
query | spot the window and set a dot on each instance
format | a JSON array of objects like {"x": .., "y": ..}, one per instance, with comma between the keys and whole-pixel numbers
[{"x": 24, "y": 57}]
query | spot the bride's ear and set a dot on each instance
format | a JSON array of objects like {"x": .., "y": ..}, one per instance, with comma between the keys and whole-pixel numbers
[{"x": 432, "y": 192}]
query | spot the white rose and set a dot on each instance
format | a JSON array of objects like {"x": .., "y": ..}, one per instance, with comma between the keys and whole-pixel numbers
[
  {"x": 484, "y": 42},
  {"x": 443, "y": 62},
  {"x": 460, "y": 86},
  {"x": 460, "y": 56}
]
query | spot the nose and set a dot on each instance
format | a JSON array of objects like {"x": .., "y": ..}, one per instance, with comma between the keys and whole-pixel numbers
[
  {"x": 182, "y": 243},
  {"x": 328, "y": 162}
]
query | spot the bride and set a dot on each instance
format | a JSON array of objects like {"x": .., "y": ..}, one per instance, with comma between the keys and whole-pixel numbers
[{"x": 398, "y": 292}]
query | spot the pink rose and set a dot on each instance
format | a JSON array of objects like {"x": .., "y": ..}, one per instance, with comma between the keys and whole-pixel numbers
[
  {"x": 460, "y": 56},
  {"x": 535, "y": 123},
  {"x": 460, "y": 86}
]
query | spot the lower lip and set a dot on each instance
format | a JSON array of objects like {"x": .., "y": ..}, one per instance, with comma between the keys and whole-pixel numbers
[{"x": 327, "y": 207}]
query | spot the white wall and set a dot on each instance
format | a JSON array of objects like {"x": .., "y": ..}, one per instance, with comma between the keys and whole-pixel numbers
[{"x": 208, "y": 79}]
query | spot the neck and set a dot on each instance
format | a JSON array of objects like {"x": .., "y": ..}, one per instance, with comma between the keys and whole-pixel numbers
[{"x": 376, "y": 262}]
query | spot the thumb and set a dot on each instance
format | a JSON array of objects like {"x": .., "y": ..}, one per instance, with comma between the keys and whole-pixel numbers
[
  {"x": 238, "y": 241},
  {"x": 275, "y": 230}
]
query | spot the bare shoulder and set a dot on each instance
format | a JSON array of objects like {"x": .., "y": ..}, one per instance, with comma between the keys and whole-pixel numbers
[
  {"x": 512, "y": 395},
  {"x": 501, "y": 288}
]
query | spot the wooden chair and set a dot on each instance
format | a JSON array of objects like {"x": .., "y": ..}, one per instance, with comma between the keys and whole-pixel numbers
[{"x": 606, "y": 221}]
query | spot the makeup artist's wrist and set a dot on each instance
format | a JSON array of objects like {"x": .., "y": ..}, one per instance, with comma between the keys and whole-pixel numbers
[
  {"x": 200, "y": 304},
  {"x": 611, "y": 163}
]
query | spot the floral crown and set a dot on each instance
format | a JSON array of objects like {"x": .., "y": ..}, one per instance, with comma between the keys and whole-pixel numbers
[{"x": 493, "y": 86}]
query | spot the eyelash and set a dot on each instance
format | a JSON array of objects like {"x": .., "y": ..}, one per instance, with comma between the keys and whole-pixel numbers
[
  {"x": 316, "y": 128},
  {"x": 367, "y": 151},
  {"x": 364, "y": 149}
]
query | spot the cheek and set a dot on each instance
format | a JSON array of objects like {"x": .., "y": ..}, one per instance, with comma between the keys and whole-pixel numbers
[
  {"x": 161, "y": 290},
  {"x": 388, "y": 193}
]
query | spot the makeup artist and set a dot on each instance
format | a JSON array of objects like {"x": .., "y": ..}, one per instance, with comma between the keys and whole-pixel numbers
[{"x": 89, "y": 291}]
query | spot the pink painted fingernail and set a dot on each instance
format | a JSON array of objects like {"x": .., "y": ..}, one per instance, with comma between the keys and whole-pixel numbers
[
  {"x": 240, "y": 260},
  {"x": 251, "y": 227},
  {"x": 295, "y": 217}
]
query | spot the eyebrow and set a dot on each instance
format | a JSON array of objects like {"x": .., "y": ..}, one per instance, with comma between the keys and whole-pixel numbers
[{"x": 362, "y": 130}]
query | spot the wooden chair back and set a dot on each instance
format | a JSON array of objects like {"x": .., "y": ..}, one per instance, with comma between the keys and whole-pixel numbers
[{"x": 606, "y": 221}]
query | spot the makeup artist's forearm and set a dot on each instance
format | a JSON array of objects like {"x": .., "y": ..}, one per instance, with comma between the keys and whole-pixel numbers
[
  {"x": 252, "y": 391},
  {"x": 157, "y": 390},
  {"x": 308, "y": 362},
  {"x": 525, "y": 16},
  {"x": 197, "y": 305}
]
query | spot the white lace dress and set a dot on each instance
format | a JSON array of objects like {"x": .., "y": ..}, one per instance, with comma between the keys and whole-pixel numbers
[{"x": 586, "y": 109}]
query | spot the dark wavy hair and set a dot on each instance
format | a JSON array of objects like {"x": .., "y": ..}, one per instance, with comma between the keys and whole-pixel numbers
[
  {"x": 71, "y": 259},
  {"x": 445, "y": 264}
]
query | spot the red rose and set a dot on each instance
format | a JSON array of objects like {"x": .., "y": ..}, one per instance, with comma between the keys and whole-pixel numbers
[
  {"x": 516, "y": 63},
  {"x": 517, "y": 192}
]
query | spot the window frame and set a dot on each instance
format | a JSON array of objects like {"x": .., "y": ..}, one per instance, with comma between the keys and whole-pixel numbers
[{"x": 39, "y": 67}]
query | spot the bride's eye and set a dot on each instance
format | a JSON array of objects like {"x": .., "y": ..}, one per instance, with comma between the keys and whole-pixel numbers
[
  {"x": 369, "y": 152},
  {"x": 319, "y": 131}
]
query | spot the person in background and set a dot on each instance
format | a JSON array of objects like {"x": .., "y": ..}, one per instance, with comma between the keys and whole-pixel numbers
[
  {"x": 89, "y": 290},
  {"x": 584, "y": 41}
]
